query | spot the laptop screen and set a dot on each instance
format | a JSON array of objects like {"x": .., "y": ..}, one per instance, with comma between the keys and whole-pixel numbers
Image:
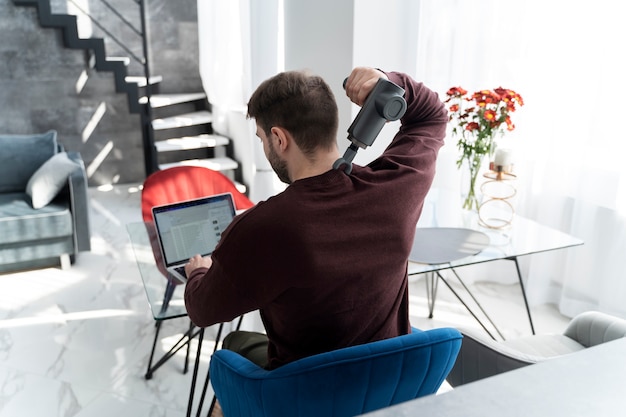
[{"x": 192, "y": 227}]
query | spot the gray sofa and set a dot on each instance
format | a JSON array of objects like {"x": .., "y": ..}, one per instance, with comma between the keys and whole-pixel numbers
[
  {"x": 481, "y": 357},
  {"x": 44, "y": 212}
]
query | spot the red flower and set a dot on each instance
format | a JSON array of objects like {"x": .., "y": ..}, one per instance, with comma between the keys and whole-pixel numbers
[
  {"x": 509, "y": 124},
  {"x": 472, "y": 126},
  {"x": 476, "y": 127},
  {"x": 487, "y": 115},
  {"x": 456, "y": 91}
]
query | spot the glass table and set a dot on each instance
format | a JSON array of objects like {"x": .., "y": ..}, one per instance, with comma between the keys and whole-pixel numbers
[
  {"x": 165, "y": 295},
  {"x": 440, "y": 245}
]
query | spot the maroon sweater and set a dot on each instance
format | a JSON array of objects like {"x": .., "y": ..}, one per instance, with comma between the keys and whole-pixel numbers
[{"x": 325, "y": 261}]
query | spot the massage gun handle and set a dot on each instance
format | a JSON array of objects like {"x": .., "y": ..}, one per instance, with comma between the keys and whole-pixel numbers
[{"x": 385, "y": 103}]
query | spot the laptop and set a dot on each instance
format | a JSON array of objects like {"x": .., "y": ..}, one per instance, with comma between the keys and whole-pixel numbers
[{"x": 191, "y": 227}]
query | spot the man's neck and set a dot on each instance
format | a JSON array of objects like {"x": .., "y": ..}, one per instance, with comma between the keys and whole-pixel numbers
[{"x": 321, "y": 163}]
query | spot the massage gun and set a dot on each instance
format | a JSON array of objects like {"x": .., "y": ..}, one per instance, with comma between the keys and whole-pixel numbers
[{"x": 385, "y": 103}]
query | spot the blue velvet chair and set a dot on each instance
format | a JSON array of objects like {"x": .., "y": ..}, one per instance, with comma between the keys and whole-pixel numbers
[{"x": 345, "y": 382}]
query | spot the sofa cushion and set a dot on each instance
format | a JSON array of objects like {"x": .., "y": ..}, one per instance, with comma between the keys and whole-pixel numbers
[
  {"x": 20, "y": 222},
  {"x": 49, "y": 179},
  {"x": 21, "y": 156},
  {"x": 544, "y": 345}
]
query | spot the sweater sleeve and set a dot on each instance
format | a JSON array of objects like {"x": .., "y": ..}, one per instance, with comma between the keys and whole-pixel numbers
[
  {"x": 423, "y": 127},
  {"x": 211, "y": 296}
]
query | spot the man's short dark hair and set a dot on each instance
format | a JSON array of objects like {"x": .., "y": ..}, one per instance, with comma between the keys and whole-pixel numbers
[{"x": 301, "y": 103}]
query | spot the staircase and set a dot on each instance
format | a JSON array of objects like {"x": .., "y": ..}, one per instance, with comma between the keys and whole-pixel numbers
[
  {"x": 183, "y": 134},
  {"x": 176, "y": 128}
]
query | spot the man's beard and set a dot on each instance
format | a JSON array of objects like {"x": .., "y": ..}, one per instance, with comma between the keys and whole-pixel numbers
[{"x": 278, "y": 165}]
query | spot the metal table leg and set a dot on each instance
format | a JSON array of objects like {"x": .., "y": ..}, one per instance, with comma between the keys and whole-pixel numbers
[
  {"x": 195, "y": 373},
  {"x": 184, "y": 340},
  {"x": 431, "y": 292},
  {"x": 467, "y": 307},
  {"x": 519, "y": 277}
]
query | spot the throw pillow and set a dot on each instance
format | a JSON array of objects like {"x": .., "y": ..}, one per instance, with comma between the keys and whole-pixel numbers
[
  {"x": 49, "y": 179},
  {"x": 21, "y": 155}
]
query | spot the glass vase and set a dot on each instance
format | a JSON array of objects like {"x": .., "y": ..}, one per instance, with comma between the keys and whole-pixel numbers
[{"x": 471, "y": 169}]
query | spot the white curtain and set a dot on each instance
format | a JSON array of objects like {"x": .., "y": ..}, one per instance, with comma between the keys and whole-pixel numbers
[
  {"x": 239, "y": 47},
  {"x": 237, "y": 52},
  {"x": 568, "y": 61},
  {"x": 565, "y": 57}
]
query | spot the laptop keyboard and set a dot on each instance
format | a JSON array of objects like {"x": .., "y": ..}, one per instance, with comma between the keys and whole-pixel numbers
[{"x": 181, "y": 270}]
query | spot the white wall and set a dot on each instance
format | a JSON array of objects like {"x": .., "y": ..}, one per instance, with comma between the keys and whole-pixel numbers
[
  {"x": 381, "y": 41},
  {"x": 239, "y": 48},
  {"x": 327, "y": 37},
  {"x": 319, "y": 38}
]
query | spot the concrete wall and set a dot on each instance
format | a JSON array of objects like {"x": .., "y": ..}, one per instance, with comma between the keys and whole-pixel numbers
[{"x": 46, "y": 86}]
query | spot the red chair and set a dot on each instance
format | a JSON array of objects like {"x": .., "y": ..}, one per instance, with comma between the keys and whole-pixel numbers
[
  {"x": 185, "y": 183},
  {"x": 172, "y": 185}
]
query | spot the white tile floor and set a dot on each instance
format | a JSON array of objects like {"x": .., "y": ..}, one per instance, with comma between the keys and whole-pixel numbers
[{"x": 76, "y": 342}]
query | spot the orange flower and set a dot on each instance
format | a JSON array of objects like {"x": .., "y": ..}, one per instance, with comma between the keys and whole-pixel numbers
[
  {"x": 477, "y": 126},
  {"x": 509, "y": 124},
  {"x": 489, "y": 115}
]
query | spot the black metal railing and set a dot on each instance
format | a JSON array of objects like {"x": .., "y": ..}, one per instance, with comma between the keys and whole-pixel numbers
[
  {"x": 150, "y": 153},
  {"x": 69, "y": 25}
]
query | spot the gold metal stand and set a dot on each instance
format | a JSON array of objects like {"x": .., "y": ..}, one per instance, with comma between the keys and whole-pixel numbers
[{"x": 497, "y": 211}]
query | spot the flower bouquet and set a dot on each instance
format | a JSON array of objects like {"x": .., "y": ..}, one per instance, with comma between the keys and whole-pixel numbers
[{"x": 477, "y": 119}]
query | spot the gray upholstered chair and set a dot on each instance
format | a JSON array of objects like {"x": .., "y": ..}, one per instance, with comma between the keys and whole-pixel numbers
[
  {"x": 44, "y": 213},
  {"x": 481, "y": 356}
]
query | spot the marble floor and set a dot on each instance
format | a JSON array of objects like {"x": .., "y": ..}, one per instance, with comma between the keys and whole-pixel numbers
[{"x": 76, "y": 342}]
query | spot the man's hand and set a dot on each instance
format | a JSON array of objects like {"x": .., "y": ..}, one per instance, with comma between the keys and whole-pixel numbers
[
  {"x": 197, "y": 262},
  {"x": 361, "y": 82}
]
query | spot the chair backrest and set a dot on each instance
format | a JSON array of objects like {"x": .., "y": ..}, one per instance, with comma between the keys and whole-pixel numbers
[
  {"x": 592, "y": 328},
  {"x": 186, "y": 182},
  {"x": 344, "y": 382}
]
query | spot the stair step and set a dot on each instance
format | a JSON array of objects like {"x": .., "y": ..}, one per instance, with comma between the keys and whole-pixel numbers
[
  {"x": 141, "y": 81},
  {"x": 162, "y": 100},
  {"x": 191, "y": 142},
  {"x": 216, "y": 164},
  {"x": 183, "y": 120},
  {"x": 123, "y": 59}
]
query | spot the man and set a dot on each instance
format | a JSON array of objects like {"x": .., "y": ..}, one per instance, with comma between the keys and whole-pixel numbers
[{"x": 325, "y": 261}]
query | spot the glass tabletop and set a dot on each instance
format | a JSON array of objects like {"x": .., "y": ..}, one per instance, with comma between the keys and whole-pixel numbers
[
  {"x": 165, "y": 293},
  {"x": 523, "y": 237}
]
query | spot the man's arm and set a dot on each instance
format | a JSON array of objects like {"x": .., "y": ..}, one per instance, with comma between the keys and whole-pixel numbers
[
  {"x": 210, "y": 297},
  {"x": 422, "y": 130}
]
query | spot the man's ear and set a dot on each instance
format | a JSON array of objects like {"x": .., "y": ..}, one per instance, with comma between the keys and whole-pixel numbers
[{"x": 283, "y": 138}]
